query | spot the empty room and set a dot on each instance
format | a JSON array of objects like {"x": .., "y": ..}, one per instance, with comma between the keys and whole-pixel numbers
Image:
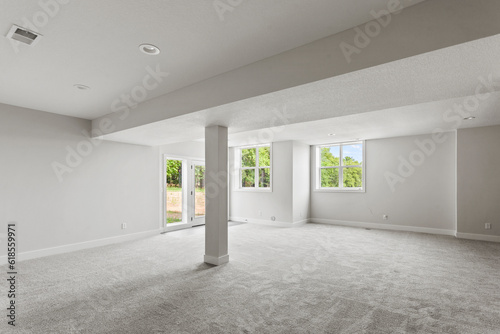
[{"x": 250, "y": 166}]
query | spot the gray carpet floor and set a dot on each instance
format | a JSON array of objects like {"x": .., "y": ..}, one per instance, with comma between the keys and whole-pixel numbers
[{"x": 311, "y": 279}]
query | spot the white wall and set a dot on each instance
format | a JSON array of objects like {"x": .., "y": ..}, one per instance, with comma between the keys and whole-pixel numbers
[
  {"x": 425, "y": 200},
  {"x": 478, "y": 180},
  {"x": 120, "y": 183},
  {"x": 114, "y": 184},
  {"x": 191, "y": 149},
  {"x": 278, "y": 203},
  {"x": 289, "y": 201},
  {"x": 301, "y": 182}
]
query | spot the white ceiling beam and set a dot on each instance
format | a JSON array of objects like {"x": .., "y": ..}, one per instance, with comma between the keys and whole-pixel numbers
[{"x": 422, "y": 28}]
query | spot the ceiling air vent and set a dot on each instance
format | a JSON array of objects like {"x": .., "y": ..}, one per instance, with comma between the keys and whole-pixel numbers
[{"x": 23, "y": 35}]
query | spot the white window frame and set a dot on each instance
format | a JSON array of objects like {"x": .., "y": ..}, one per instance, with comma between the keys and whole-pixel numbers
[
  {"x": 256, "y": 168},
  {"x": 341, "y": 168}
]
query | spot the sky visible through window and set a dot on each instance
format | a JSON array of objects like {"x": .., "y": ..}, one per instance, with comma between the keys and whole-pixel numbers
[{"x": 354, "y": 151}]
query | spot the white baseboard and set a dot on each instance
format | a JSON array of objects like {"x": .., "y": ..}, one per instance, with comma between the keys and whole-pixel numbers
[
  {"x": 269, "y": 222},
  {"x": 79, "y": 246},
  {"x": 480, "y": 237},
  {"x": 301, "y": 222},
  {"x": 385, "y": 226},
  {"x": 216, "y": 261}
]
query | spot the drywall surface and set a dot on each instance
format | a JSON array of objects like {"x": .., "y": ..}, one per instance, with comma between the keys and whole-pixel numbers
[
  {"x": 421, "y": 195},
  {"x": 278, "y": 203},
  {"x": 191, "y": 149},
  {"x": 478, "y": 181},
  {"x": 301, "y": 181},
  {"x": 62, "y": 188},
  {"x": 417, "y": 30}
]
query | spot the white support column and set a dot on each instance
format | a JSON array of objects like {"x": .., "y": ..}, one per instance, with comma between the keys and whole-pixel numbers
[{"x": 216, "y": 183}]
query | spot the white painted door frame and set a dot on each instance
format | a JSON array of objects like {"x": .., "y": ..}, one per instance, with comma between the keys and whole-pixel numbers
[
  {"x": 196, "y": 220},
  {"x": 188, "y": 194}
]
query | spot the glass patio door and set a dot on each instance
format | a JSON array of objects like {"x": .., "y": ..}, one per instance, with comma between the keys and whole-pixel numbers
[
  {"x": 184, "y": 193},
  {"x": 198, "y": 193}
]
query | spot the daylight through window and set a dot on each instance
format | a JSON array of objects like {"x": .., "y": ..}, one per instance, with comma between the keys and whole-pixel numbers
[
  {"x": 341, "y": 166},
  {"x": 255, "y": 170}
]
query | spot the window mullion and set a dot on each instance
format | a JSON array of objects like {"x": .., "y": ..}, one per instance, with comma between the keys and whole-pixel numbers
[
  {"x": 244, "y": 171},
  {"x": 342, "y": 167}
]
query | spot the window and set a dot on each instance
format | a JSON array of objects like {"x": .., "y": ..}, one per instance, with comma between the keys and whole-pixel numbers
[
  {"x": 255, "y": 167},
  {"x": 341, "y": 167}
]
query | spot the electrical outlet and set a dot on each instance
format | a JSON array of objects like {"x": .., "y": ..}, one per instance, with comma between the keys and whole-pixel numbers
[
  {"x": 487, "y": 226},
  {"x": 301, "y": 215},
  {"x": 124, "y": 226},
  {"x": 385, "y": 217},
  {"x": 260, "y": 213}
]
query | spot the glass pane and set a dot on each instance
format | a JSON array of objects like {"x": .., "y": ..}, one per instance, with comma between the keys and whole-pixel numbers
[
  {"x": 265, "y": 156},
  {"x": 330, "y": 178},
  {"x": 248, "y": 157},
  {"x": 353, "y": 154},
  {"x": 174, "y": 191},
  {"x": 248, "y": 178},
  {"x": 353, "y": 177},
  {"x": 330, "y": 156},
  {"x": 199, "y": 191},
  {"x": 264, "y": 177}
]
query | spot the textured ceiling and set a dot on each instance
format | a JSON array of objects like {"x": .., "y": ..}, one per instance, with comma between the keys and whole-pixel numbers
[
  {"x": 405, "y": 97},
  {"x": 95, "y": 43},
  {"x": 396, "y": 122}
]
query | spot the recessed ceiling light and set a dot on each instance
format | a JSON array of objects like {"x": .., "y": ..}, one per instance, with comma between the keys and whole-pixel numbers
[
  {"x": 149, "y": 49},
  {"x": 81, "y": 87},
  {"x": 469, "y": 118}
]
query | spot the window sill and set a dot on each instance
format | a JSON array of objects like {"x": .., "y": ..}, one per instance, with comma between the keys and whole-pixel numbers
[
  {"x": 338, "y": 190},
  {"x": 257, "y": 190}
]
